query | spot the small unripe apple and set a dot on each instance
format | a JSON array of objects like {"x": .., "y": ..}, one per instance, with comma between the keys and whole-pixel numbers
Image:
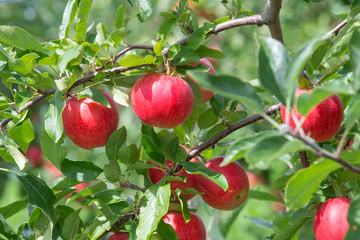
[
  {"x": 214, "y": 195},
  {"x": 194, "y": 229},
  {"x": 323, "y": 121},
  {"x": 330, "y": 221},
  {"x": 157, "y": 174},
  {"x": 35, "y": 155},
  {"x": 119, "y": 236},
  {"x": 88, "y": 123},
  {"x": 162, "y": 101},
  {"x": 206, "y": 94}
]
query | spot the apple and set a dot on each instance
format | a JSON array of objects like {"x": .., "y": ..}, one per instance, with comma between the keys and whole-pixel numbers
[
  {"x": 194, "y": 229},
  {"x": 35, "y": 155},
  {"x": 54, "y": 172},
  {"x": 119, "y": 236},
  {"x": 255, "y": 179},
  {"x": 162, "y": 101},
  {"x": 214, "y": 195},
  {"x": 157, "y": 174},
  {"x": 206, "y": 94},
  {"x": 323, "y": 121},
  {"x": 88, "y": 123},
  {"x": 330, "y": 221}
]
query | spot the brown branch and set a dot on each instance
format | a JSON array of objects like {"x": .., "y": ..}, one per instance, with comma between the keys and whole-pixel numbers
[
  {"x": 118, "y": 223},
  {"x": 304, "y": 159},
  {"x": 230, "y": 129},
  {"x": 272, "y": 19},
  {"x": 130, "y": 185}
]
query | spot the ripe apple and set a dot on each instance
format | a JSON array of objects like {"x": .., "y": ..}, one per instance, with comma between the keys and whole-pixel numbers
[
  {"x": 214, "y": 195},
  {"x": 330, "y": 221},
  {"x": 35, "y": 155},
  {"x": 162, "y": 101},
  {"x": 194, "y": 229},
  {"x": 323, "y": 121},
  {"x": 206, "y": 94},
  {"x": 157, "y": 174},
  {"x": 119, "y": 236},
  {"x": 88, "y": 123}
]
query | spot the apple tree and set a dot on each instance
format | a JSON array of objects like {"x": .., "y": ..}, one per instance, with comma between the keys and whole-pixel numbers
[{"x": 182, "y": 120}]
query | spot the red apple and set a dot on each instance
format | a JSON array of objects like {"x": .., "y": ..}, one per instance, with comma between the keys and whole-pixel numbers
[
  {"x": 119, "y": 236},
  {"x": 323, "y": 121},
  {"x": 54, "y": 172},
  {"x": 330, "y": 221},
  {"x": 255, "y": 179},
  {"x": 162, "y": 101},
  {"x": 214, "y": 195},
  {"x": 157, "y": 174},
  {"x": 35, "y": 155},
  {"x": 88, "y": 123},
  {"x": 206, "y": 94},
  {"x": 194, "y": 229}
]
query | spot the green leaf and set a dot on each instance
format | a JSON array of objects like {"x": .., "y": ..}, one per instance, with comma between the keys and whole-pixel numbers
[
  {"x": 23, "y": 65},
  {"x": 50, "y": 60},
  {"x": 82, "y": 19},
  {"x": 12, "y": 208},
  {"x": 100, "y": 187},
  {"x": 129, "y": 154},
  {"x": 114, "y": 142},
  {"x": 39, "y": 222},
  {"x": 95, "y": 95},
  {"x": 263, "y": 196},
  {"x": 111, "y": 174},
  {"x": 355, "y": 58},
  {"x": 297, "y": 63},
  {"x": 166, "y": 231},
  {"x": 120, "y": 96},
  {"x": 198, "y": 36},
  {"x": 306, "y": 181},
  {"x": 355, "y": 10},
  {"x": 132, "y": 60},
  {"x": 229, "y": 86},
  {"x": 287, "y": 232},
  {"x": 271, "y": 148},
  {"x": 144, "y": 10},
  {"x": 186, "y": 55},
  {"x": 207, "y": 119},
  {"x": 53, "y": 120},
  {"x": 19, "y": 38},
  {"x": 6, "y": 230},
  {"x": 39, "y": 193},
  {"x": 198, "y": 168},
  {"x": 82, "y": 171},
  {"x": 65, "y": 83},
  {"x": 204, "y": 51},
  {"x": 119, "y": 20},
  {"x": 353, "y": 218},
  {"x": 72, "y": 225},
  {"x": 23, "y": 134},
  {"x": 155, "y": 206},
  {"x": 68, "y": 18},
  {"x": 55, "y": 152},
  {"x": 118, "y": 35},
  {"x": 152, "y": 150},
  {"x": 273, "y": 60},
  {"x": 69, "y": 55},
  {"x": 14, "y": 152}
]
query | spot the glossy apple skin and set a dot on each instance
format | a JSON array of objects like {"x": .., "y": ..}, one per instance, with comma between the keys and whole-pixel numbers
[
  {"x": 214, "y": 195},
  {"x": 119, "y": 236},
  {"x": 194, "y": 229},
  {"x": 323, "y": 121},
  {"x": 157, "y": 174},
  {"x": 330, "y": 221},
  {"x": 35, "y": 155},
  {"x": 206, "y": 94},
  {"x": 162, "y": 101},
  {"x": 88, "y": 123}
]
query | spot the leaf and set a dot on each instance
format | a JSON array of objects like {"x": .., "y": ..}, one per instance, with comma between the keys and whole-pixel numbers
[
  {"x": 95, "y": 95},
  {"x": 111, "y": 174},
  {"x": 152, "y": 150},
  {"x": 82, "y": 20},
  {"x": 271, "y": 148},
  {"x": 155, "y": 206},
  {"x": 144, "y": 10},
  {"x": 14, "y": 152},
  {"x": 129, "y": 154},
  {"x": 12, "y": 208},
  {"x": 132, "y": 60},
  {"x": 69, "y": 55},
  {"x": 166, "y": 231},
  {"x": 306, "y": 181},
  {"x": 261, "y": 222},
  {"x": 297, "y": 63},
  {"x": 71, "y": 225},
  {"x": 68, "y": 18},
  {"x": 207, "y": 119},
  {"x": 39, "y": 193},
  {"x": 118, "y": 35},
  {"x": 39, "y": 222},
  {"x": 119, "y": 20},
  {"x": 120, "y": 97},
  {"x": 273, "y": 60},
  {"x": 100, "y": 187},
  {"x": 264, "y": 196},
  {"x": 229, "y": 86},
  {"x": 19, "y": 38},
  {"x": 353, "y": 218},
  {"x": 82, "y": 171},
  {"x": 186, "y": 55},
  {"x": 6, "y": 230},
  {"x": 114, "y": 142},
  {"x": 355, "y": 58},
  {"x": 23, "y": 134},
  {"x": 355, "y": 10},
  {"x": 204, "y": 51},
  {"x": 198, "y": 36},
  {"x": 55, "y": 152},
  {"x": 198, "y": 168},
  {"x": 290, "y": 229},
  {"x": 53, "y": 120}
]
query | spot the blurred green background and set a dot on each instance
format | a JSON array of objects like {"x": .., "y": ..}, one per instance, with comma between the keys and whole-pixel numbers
[{"x": 301, "y": 21}]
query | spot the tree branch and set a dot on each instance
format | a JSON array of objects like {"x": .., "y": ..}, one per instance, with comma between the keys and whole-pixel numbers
[{"x": 271, "y": 17}]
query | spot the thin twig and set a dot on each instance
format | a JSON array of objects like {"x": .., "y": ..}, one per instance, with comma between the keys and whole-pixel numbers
[{"x": 304, "y": 159}]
